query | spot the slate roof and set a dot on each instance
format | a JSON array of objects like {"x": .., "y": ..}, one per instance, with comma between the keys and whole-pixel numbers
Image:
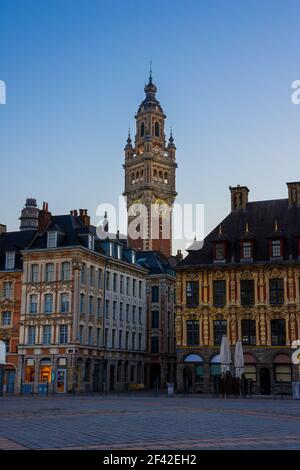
[
  {"x": 260, "y": 217},
  {"x": 14, "y": 241},
  {"x": 155, "y": 262}
]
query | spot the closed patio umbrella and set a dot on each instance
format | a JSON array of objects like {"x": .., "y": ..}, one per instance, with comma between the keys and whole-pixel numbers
[
  {"x": 239, "y": 359},
  {"x": 225, "y": 355}
]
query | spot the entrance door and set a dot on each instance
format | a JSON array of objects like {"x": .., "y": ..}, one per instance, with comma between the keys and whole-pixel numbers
[
  {"x": 112, "y": 378},
  {"x": 10, "y": 381},
  {"x": 96, "y": 377},
  {"x": 187, "y": 380},
  {"x": 61, "y": 381},
  {"x": 154, "y": 376},
  {"x": 265, "y": 381}
]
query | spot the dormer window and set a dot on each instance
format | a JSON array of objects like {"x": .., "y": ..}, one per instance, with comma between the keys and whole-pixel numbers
[
  {"x": 91, "y": 242},
  {"x": 276, "y": 248},
  {"x": 246, "y": 251},
  {"x": 10, "y": 257},
  {"x": 51, "y": 239},
  {"x": 220, "y": 252}
]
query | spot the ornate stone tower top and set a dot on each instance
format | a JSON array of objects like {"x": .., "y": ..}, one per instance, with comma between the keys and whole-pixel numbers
[
  {"x": 150, "y": 168},
  {"x": 29, "y": 215}
]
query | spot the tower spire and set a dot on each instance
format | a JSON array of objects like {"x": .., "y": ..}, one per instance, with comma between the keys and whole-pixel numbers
[{"x": 150, "y": 71}]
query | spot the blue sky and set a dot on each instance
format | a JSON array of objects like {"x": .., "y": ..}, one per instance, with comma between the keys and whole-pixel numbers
[{"x": 75, "y": 72}]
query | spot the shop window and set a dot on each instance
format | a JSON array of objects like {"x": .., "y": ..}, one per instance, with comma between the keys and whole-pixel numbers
[
  {"x": 283, "y": 373},
  {"x": 250, "y": 372},
  {"x": 199, "y": 372}
]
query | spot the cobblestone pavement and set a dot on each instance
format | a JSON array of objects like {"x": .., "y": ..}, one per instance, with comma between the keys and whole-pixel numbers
[{"x": 148, "y": 422}]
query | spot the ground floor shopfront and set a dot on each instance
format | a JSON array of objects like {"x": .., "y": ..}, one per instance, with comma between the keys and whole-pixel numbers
[
  {"x": 76, "y": 370},
  {"x": 269, "y": 370}
]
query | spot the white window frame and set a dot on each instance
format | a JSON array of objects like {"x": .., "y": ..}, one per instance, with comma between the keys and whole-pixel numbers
[
  {"x": 10, "y": 260},
  {"x": 7, "y": 289},
  {"x": 91, "y": 242},
  {"x": 9, "y": 317},
  {"x": 52, "y": 242},
  {"x": 51, "y": 272}
]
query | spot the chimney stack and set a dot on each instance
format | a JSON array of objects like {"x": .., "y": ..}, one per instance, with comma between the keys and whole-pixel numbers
[
  {"x": 239, "y": 197},
  {"x": 85, "y": 218},
  {"x": 179, "y": 256},
  {"x": 3, "y": 229},
  {"x": 294, "y": 193},
  {"x": 44, "y": 218}
]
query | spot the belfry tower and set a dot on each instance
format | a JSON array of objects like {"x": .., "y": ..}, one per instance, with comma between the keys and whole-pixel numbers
[{"x": 150, "y": 168}]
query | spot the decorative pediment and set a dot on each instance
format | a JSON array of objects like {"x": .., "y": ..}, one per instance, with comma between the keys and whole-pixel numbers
[
  {"x": 277, "y": 313},
  {"x": 246, "y": 274},
  {"x": 275, "y": 273},
  {"x": 192, "y": 276},
  {"x": 219, "y": 275},
  {"x": 6, "y": 334}
]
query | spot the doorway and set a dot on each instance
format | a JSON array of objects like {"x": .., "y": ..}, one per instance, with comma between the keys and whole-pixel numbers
[
  {"x": 96, "y": 377},
  {"x": 187, "y": 380},
  {"x": 61, "y": 381},
  {"x": 265, "y": 381},
  {"x": 9, "y": 380},
  {"x": 112, "y": 378},
  {"x": 154, "y": 375}
]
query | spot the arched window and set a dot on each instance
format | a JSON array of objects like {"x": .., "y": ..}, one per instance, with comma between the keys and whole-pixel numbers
[
  {"x": 142, "y": 175},
  {"x": 132, "y": 178},
  {"x": 137, "y": 176},
  {"x": 155, "y": 175},
  {"x": 160, "y": 176},
  {"x": 142, "y": 129},
  {"x": 166, "y": 177},
  {"x": 157, "y": 129}
]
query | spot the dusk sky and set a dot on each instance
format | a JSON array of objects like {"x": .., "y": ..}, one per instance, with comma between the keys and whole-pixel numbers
[{"x": 75, "y": 72}]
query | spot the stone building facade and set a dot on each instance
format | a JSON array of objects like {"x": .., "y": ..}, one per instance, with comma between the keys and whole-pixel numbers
[
  {"x": 244, "y": 283},
  {"x": 83, "y": 319}
]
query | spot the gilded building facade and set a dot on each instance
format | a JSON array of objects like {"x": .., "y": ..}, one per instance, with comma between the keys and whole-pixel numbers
[{"x": 244, "y": 283}]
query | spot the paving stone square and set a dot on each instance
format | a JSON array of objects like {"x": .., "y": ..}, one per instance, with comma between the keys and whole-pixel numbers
[{"x": 148, "y": 422}]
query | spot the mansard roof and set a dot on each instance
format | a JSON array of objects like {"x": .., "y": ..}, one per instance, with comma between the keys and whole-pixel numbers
[
  {"x": 265, "y": 220},
  {"x": 15, "y": 241},
  {"x": 155, "y": 262}
]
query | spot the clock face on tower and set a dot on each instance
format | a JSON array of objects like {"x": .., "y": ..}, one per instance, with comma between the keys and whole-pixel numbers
[
  {"x": 133, "y": 209},
  {"x": 161, "y": 207}
]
